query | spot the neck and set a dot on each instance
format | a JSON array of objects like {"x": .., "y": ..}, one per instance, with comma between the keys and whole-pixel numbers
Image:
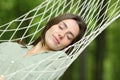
[{"x": 38, "y": 48}]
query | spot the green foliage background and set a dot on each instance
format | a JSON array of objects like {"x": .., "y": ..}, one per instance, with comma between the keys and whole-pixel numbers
[{"x": 84, "y": 67}]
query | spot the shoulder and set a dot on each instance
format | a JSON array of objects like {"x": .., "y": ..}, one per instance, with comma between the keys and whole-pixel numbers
[
  {"x": 9, "y": 45},
  {"x": 62, "y": 53},
  {"x": 58, "y": 54}
]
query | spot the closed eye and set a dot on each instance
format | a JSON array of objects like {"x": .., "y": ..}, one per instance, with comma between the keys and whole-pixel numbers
[
  {"x": 60, "y": 27},
  {"x": 69, "y": 37}
]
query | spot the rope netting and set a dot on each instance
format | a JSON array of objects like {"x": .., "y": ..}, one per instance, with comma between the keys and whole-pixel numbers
[{"x": 98, "y": 14}]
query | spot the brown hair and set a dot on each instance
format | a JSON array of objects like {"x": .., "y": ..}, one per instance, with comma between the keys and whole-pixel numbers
[{"x": 56, "y": 20}]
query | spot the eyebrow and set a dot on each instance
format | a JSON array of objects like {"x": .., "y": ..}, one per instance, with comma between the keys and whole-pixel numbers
[
  {"x": 67, "y": 27},
  {"x": 65, "y": 24}
]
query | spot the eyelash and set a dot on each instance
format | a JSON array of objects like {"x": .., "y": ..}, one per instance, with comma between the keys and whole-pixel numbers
[
  {"x": 68, "y": 37},
  {"x": 60, "y": 27}
]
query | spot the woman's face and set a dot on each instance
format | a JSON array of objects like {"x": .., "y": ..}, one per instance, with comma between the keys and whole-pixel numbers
[{"x": 61, "y": 35}]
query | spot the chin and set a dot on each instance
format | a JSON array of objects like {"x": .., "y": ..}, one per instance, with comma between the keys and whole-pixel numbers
[
  {"x": 54, "y": 48},
  {"x": 51, "y": 45}
]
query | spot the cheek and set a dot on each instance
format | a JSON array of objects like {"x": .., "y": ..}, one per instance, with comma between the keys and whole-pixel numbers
[
  {"x": 50, "y": 31},
  {"x": 66, "y": 42},
  {"x": 54, "y": 27}
]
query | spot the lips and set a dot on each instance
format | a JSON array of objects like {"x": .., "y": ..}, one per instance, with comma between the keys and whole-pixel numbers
[{"x": 56, "y": 39}]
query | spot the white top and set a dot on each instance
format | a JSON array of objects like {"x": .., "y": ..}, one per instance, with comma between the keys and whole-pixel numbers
[{"x": 43, "y": 66}]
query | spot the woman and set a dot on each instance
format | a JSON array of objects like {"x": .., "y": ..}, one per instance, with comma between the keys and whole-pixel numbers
[{"x": 42, "y": 59}]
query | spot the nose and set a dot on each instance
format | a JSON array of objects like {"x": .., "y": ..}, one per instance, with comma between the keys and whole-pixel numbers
[{"x": 61, "y": 35}]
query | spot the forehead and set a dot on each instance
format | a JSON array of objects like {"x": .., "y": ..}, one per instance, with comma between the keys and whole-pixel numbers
[{"x": 72, "y": 26}]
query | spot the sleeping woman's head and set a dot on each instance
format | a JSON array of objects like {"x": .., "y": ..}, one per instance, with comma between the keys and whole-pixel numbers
[{"x": 62, "y": 31}]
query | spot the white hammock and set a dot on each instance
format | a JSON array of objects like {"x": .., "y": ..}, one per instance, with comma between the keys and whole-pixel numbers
[{"x": 96, "y": 14}]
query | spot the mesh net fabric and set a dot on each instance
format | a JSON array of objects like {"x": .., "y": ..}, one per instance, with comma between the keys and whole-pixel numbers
[{"x": 98, "y": 14}]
